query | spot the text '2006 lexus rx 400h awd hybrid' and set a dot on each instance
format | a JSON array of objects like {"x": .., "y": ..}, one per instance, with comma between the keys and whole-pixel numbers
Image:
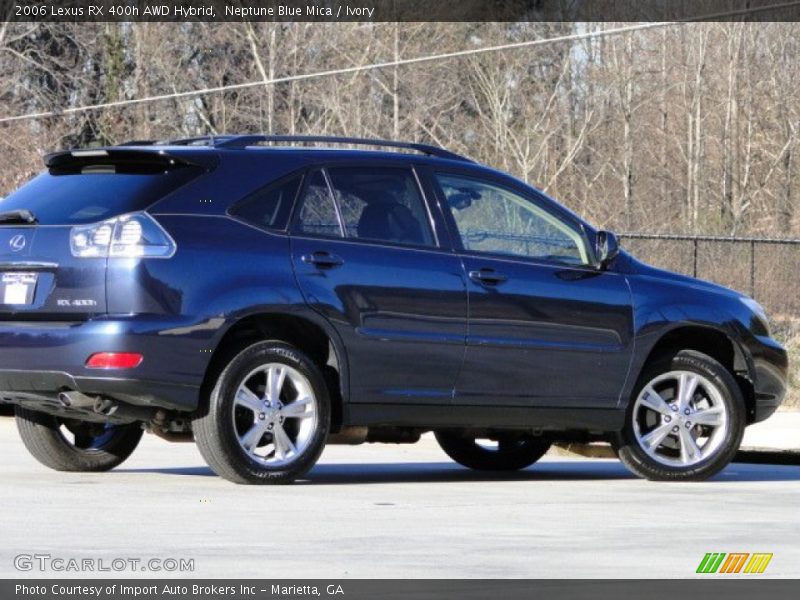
[{"x": 265, "y": 298}]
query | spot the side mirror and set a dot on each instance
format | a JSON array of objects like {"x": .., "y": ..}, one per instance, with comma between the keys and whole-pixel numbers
[{"x": 607, "y": 248}]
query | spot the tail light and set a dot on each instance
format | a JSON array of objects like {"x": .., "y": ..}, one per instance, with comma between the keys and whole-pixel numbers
[{"x": 136, "y": 235}]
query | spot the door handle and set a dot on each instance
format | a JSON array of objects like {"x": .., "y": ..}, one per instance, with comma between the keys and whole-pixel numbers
[
  {"x": 487, "y": 276},
  {"x": 323, "y": 260}
]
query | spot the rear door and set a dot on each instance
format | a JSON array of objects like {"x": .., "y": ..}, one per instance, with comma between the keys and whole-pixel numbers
[
  {"x": 367, "y": 255},
  {"x": 54, "y": 228}
]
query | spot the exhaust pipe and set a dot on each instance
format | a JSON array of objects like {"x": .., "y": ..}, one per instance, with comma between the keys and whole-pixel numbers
[
  {"x": 125, "y": 412},
  {"x": 105, "y": 406},
  {"x": 76, "y": 400}
]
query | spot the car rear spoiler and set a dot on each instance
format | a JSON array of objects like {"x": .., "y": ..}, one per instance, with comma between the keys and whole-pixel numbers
[{"x": 112, "y": 155}]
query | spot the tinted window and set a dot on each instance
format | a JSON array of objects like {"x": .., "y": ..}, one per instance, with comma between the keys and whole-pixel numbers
[
  {"x": 317, "y": 212},
  {"x": 95, "y": 192},
  {"x": 381, "y": 204},
  {"x": 271, "y": 206},
  {"x": 495, "y": 220}
]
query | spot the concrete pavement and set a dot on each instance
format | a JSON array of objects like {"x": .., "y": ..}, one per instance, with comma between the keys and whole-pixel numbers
[
  {"x": 780, "y": 432},
  {"x": 394, "y": 511}
]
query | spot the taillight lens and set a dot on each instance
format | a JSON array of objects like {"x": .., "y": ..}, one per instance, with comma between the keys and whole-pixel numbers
[
  {"x": 114, "y": 360},
  {"x": 136, "y": 235}
]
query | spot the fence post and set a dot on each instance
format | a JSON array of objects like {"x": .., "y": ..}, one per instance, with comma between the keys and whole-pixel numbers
[
  {"x": 752, "y": 268},
  {"x": 694, "y": 268}
]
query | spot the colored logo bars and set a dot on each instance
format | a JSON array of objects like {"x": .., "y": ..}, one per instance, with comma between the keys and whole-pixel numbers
[{"x": 735, "y": 562}]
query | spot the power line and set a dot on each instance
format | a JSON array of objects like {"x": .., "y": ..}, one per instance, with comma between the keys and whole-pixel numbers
[
  {"x": 332, "y": 72},
  {"x": 396, "y": 63}
]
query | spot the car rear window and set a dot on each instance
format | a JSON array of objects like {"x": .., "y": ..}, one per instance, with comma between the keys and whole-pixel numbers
[{"x": 86, "y": 193}]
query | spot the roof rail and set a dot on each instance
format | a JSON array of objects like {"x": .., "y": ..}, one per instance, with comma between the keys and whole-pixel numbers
[
  {"x": 203, "y": 140},
  {"x": 138, "y": 143},
  {"x": 243, "y": 141}
]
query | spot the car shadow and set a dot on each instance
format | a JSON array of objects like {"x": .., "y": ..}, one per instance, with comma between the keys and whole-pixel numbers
[
  {"x": 443, "y": 472},
  {"x": 408, "y": 472},
  {"x": 743, "y": 472}
]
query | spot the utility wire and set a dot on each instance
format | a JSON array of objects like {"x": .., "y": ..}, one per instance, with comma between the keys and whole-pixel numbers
[{"x": 397, "y": 63}]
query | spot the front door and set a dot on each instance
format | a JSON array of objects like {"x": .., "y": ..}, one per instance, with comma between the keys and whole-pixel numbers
[
  {"x": 546, "y": 328},
  {"x": 366, "y": 254}
]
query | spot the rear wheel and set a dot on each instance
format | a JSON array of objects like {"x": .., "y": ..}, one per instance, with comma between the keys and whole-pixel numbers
[
  {"x": 686, "y": 420},
  {"x": 507, "y": 452},
  {"x": 268, "y": 416},
  {"x": 72, "y": 445}
]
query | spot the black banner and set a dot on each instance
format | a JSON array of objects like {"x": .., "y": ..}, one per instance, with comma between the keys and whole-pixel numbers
[
  {"x": 440, "y": 589},
  {"x": 397, "y": 10}
]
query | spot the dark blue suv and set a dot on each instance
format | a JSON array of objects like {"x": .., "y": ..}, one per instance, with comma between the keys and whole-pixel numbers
[{"x": 264, "y": 298}]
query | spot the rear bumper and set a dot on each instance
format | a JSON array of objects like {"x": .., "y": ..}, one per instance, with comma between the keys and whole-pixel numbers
[
  {"x": 30, "y": 388},
  {"x": 39, "y": 360}
]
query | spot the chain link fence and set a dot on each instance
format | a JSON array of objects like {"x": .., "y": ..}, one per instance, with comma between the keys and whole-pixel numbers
[{"x": 766, "y": 269}]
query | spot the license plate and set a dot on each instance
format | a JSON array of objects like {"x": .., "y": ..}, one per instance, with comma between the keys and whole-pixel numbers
[{"x": 17, "y": 288}]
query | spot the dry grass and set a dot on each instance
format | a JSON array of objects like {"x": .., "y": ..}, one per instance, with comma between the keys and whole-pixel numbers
[{"x": 786, "y": 330}]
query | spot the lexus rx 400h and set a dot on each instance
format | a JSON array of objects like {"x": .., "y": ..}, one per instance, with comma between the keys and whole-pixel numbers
[{"x": 264, "y": 298}]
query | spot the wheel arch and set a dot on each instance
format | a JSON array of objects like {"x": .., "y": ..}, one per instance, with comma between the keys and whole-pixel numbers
[
  {"x": 712, "y": 341},
  {"x": 307, "y": 333}
]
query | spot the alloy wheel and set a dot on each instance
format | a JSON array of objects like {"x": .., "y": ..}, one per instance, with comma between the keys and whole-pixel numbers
[
  {"x": 274, "y": 414},
  {"x": 680, "y": 419}
]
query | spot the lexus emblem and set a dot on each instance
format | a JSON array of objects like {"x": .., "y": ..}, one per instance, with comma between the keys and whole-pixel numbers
[{"x": 17, "y": 243}]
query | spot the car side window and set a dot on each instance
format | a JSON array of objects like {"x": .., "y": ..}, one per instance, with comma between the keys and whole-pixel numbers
[
  {"x": 382, "y": 204},
  {"x": 317, "y": 214},
  {"x": 495, "y": 220},
  {"x": 271, "y": 206}
]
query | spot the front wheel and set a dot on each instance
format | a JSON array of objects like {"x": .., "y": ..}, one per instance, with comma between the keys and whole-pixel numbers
[
  {"x": 72, "y": 445},
  {"x": 686, "y": 420},
  {"x": 268, "y": 416},
  {"x": 507, "y": 452}
]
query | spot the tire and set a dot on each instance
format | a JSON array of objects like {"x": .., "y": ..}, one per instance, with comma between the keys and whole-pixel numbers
[
  {"x": 243, "y": 436},
  {"x": 95, "y": 447},
  {"x": 512, "y": 453},
  {"x": 651, "y": 446}
]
